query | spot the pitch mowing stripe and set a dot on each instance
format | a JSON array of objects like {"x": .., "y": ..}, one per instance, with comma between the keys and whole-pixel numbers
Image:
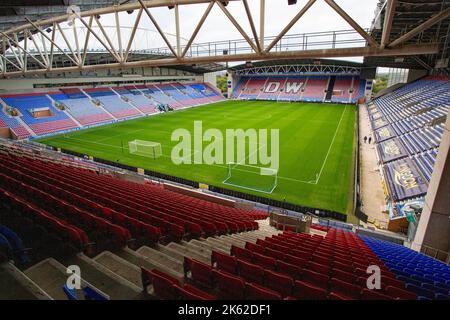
[
  {"x": 305, "y": 146},
  {"x": 331, "y": 144}
]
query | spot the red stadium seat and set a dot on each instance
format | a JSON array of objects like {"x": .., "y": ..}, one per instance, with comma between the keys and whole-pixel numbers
[
  {"x": 345, "y": 289},
  {"x": 388, "y": 281},
  {"x": 254, "y": 248},
  {"x": 256, "y": 292},
  {"x": 224, "y": 262},
  {"x": 274, "y": 254},
  {"x": 278, "y": 282},
  {"x": 374, "y": 295},
  {"x": 295, "y": 260},
  {"x": 315, "y": 279},
  {"x": 264, "y": 261},
  {"x": 229, "y": 286},
  {"x": 344, "y": 276},
  {"x": 250, "y": 272},
  {"x": 289, "y": 269},
  {"x": 306, "y": 291},
  {"x": 241, "y": 253},
  {"x": 401, "y": 294},
  {"x": 200, "y": 272},
  {"x": 319, "y": 268},
  {"x": 189, "y": 292},
  {"x": 163, "y": 284}
]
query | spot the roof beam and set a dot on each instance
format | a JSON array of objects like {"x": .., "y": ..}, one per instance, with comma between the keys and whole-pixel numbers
[
  {"x": 289, "y": 25},
  {"x": 352, "y": 22},
  {"x": 120, "y": 8},
  {"x": 252, "y": 24},
  {"x": 422, "y": 27},
  {"x": 51, "y": 41},
  {"x": 133, "y": 33},
  {"x": 406, "y": 50},
  {"x": 422, "y": 62},
  {"x": 238, "y": 26},
  {"x": 155, "y": 23},
  {"x": 388, "y": 18},
  {"x": 197, "y": 28}
]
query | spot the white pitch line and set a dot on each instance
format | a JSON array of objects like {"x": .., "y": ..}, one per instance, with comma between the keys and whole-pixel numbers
[
  {"x": 331, "y": 144},
  {"x": 195, "y": 151}
]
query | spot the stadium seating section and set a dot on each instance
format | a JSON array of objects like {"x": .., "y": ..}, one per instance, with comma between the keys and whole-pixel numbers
[
  {"x": 71, "y": 108},
  {"x": 408, "y": 124},
  {"x": 110, "y": 211},
  {"x": 222, "y": 251},
  {"x": 342, "y": 89},
  {"x": 300, "y": 266}
]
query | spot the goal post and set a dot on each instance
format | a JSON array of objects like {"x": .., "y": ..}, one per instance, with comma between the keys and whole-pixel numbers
[
  {"x": 144, "y": 148},
  {"x": 260, "y": 179}
]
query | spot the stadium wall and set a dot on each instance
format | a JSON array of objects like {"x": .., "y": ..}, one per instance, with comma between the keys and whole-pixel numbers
[{"x": 433, "y": 230}]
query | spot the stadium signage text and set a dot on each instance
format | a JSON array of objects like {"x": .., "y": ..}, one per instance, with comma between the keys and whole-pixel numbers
[
  {"x": 290, "y": 87},
  {"x": 232, "y": 148},
  {"x": 391, "y": 148},
  {"x": 405, "y": 177}
]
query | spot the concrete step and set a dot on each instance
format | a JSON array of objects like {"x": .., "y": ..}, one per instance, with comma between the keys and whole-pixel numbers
[
  {"x": 164, "y": 259},
  {"x": 51, "y": 276},
  {"x": 245, "y": 237},
  {"x": 207, "y": 245},
  {"x": 198, "y": 249},
  {"x": 15, "y": 285},
  {"x": 109, "y": 282},
  {"x": 187, "y": 252},
  {"x": 122, "y": 267},
  {"x": 233, "y": 241},
  {"x": 143, "y": 261},
  {"x": 219, "y": 242}
]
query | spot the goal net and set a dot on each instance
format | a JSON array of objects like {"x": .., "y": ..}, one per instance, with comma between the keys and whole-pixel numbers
[
  {"x": 145, "y": 148},
  {"x": 250, "y": 177}
]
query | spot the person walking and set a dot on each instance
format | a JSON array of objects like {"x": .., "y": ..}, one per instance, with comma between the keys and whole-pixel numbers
[
  {"x": 365, "y": 139},
  {"x": 370, "y": 140}
]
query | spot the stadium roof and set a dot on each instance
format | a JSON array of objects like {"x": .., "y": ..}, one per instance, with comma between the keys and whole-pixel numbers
[
  {"x": 13, "y": 12},
  {"x": 386, "y": 47},
  {"x": 298, "y": 62},
  {"x": 409, "y": 14}
]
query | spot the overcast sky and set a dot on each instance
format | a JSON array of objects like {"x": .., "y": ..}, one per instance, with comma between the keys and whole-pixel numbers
[{"x": 217, "y": 27}]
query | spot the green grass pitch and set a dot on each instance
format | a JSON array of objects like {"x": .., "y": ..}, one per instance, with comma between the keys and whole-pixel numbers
[{"x": 317, "y": 144}]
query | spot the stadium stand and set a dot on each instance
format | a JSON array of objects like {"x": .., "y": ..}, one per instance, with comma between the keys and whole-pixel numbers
[
  {"x": 7, "y": 121},
  {"x": 315, "y": 88},
  {"x": 103, "y": 203},
  {"x": 136, "y": 98},
  {"x": 423, "y": 275},
  {"x": 27, "y": 105},
  {"x": 344, "y": 89},
  {"x": 222, "y": 251},
  {"x": 113, "y": 103},
  {"x": 92, "y": 106},
  {"x": 82, "y": 109},
  {"x": 408, "y": 125},
  {"x": 341, "y": 89},
  {"x": 330, "y": 267}
]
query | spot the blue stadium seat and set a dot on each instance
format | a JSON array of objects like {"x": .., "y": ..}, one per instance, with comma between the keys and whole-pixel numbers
[
  {"x": 70, "y": 293},
  {"x": 91, "y": 294}
]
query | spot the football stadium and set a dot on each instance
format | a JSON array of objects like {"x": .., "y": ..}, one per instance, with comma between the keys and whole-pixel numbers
[{"x": 225, "y": 150}]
